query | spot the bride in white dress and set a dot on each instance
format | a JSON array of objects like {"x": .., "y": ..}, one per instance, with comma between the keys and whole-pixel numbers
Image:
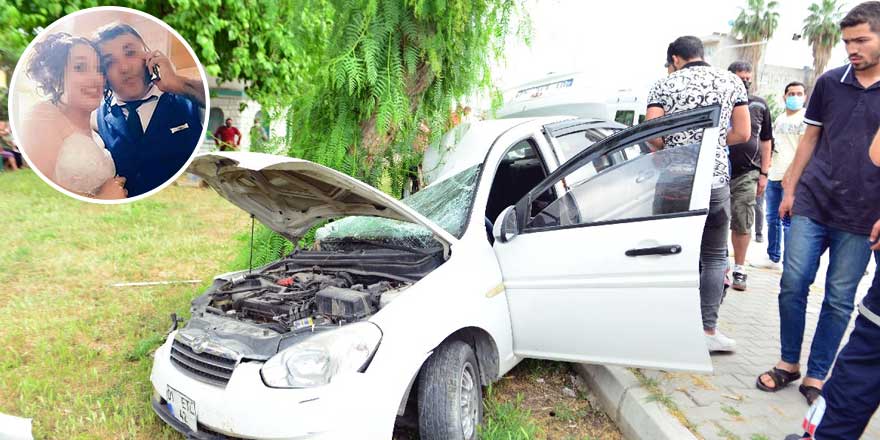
[{"x": 57, "y": 136}]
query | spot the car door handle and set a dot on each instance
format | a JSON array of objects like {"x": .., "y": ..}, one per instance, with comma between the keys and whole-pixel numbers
[{"x": 671, "y": 249}]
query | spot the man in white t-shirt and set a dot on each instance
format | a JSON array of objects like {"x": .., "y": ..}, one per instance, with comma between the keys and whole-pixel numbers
[{"x": 787, "y": 131}]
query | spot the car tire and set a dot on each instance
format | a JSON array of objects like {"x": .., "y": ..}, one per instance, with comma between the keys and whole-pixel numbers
[{"x": 450, "y": 395}]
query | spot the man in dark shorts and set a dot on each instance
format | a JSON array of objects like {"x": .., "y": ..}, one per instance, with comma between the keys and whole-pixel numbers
[
  {"x": 750, "y": 163},
  {"x": 832, "y": 192}
]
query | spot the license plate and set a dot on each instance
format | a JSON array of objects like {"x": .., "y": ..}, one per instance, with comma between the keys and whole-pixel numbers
[{"x": 183, "y": 408}]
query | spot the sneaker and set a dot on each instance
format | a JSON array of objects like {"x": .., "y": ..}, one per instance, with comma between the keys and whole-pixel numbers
[
  {"x": 739, "y": 281},
  {"x": 719, "y": 342},
  {"x": 759, "y": 239},
  {"x": 766, "y": 264}
]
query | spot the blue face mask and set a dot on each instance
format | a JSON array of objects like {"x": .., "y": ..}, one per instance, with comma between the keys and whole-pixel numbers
[{"x": 794, "y": 103}]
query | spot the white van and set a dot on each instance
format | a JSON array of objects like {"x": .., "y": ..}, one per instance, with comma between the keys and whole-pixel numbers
[{"x": 572, "y": 94}]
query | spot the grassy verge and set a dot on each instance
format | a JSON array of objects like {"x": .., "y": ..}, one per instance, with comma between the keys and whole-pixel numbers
[
  {"x": 530, "y": 403},
  {"x": 76, "y": 352}
]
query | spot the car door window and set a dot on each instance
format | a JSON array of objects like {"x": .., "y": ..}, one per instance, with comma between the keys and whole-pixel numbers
[
  {"x": 626, "y": 183},
  {"x": 625, "y": 117},
  {"x": 573, "y": 143},
  {"x": 520, "y": 170}
]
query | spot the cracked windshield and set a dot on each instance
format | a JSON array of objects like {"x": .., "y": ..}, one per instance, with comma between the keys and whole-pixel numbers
[{"x": 445, "y": 203}]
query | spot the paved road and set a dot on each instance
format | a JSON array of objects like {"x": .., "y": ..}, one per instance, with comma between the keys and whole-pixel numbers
[{"x": 726, "y": 404}]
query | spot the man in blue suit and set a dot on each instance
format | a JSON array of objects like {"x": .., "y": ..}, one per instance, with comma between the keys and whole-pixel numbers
[{"x": 151, "y": 118}]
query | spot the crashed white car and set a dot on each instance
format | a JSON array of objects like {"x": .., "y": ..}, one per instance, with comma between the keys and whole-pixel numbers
[{"x": 538, "y": 238}]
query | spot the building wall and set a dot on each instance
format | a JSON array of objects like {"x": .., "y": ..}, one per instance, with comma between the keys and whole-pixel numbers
[
  {"x": 774, "y": 79},
  {"x": 228, "y": 98},
  {"x": 771, "y": 78}
]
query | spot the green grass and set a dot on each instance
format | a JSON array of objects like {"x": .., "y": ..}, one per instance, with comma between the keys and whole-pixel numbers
[
  {"x": 76, "y": 353},
  {"x": 656, "y": 394},
  {"x": 730, "y": 411},
  {"x": 541, "y": 368},
  {"x": 506, "y": 420},
  {"x": 726, "y": 433}
]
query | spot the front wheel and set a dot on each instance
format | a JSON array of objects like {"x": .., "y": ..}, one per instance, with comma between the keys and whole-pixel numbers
[{"x": 450, "y": 397}]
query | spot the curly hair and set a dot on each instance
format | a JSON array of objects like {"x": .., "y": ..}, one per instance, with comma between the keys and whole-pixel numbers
[{"x": 49, "y": 60}]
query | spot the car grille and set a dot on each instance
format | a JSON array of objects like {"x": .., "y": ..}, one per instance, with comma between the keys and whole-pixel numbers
[{"x": 203, "y": 366}]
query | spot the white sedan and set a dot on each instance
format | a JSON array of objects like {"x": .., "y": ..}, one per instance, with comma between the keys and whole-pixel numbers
[{"x": 538, "y": 238}]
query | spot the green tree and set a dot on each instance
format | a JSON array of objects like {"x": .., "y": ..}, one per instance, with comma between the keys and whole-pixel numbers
[
  {"x": 755, "y": 25},
  {"x": 366, "y": 84},
  {"x": 270, "y": 45},
  {"x": 391, "y": 73},
  {"x": 822, "y": 30}
]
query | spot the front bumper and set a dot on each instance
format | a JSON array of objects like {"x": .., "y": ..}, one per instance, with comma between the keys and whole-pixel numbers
[{"x": 348, "y": 408}]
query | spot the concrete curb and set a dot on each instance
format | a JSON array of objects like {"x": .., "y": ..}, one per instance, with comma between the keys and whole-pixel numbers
[{"x": 627, "y": 403}]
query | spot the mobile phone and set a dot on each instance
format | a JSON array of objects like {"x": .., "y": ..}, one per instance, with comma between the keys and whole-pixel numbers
[{"x": 154, "y": 75}]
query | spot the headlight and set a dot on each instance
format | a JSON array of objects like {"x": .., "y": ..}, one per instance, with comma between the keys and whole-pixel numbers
[{"x": 316, "y": 360}]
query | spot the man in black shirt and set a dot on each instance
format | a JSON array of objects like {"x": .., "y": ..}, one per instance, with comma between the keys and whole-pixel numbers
[{"x": 749, "y": 165}]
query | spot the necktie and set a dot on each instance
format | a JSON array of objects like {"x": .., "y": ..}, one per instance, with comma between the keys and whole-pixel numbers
[{"x": 133, "y": 123}]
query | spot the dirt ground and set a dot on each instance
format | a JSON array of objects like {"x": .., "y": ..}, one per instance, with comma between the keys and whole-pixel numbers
[{"x": 539, "y": 400}]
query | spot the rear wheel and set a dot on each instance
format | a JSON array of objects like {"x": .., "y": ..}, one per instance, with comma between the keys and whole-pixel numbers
[{"x": 450, "y": 396}]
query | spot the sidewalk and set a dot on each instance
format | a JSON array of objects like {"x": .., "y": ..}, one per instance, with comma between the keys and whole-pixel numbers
[{"x": 726, "y": 405}]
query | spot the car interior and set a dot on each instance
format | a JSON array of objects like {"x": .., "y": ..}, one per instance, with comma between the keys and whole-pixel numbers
[{"x": 520, "y": 170}]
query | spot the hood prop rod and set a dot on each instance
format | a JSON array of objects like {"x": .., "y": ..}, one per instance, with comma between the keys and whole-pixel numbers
[{"x": 251, "y": 256}]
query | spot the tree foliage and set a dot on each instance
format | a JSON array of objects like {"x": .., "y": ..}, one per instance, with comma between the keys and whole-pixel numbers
[
  {"x": 366, "y": 84},
  {"x": 271, "y": 45},
  {"x": 756, "y": 24},
  {"x": 822, "y": 30},
  {"x": 391, "y": 73}
]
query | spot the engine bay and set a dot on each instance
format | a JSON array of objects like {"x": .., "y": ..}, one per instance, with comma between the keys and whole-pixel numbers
[{"x": 286, "y": 300}]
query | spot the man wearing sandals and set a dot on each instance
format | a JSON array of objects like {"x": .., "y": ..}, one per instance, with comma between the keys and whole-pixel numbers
[
  {"x": 832, "y": 193},
  {"x": 852, "y": 395}
]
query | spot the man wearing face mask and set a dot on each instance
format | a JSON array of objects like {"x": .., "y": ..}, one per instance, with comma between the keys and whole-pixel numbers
[
  {"x": 787, "y": 131},
  {"x": 749, "y": 166}
]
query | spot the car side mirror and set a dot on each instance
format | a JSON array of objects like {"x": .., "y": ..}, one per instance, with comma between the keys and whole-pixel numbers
[{"x": 505, "y": 227}]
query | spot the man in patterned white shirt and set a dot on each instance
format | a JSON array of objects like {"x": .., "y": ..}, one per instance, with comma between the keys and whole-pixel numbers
[{"x": 693, "y": 83}]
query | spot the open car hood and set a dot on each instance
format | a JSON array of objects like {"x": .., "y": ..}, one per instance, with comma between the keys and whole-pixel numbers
[{"x": 290, "y": 195}]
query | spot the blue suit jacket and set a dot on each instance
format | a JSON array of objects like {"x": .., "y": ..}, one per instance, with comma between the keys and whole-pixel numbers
[{"x": 160, "y": 153}]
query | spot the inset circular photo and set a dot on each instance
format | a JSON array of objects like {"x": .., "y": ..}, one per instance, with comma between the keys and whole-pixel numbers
[{"x": 108, "y": 104}]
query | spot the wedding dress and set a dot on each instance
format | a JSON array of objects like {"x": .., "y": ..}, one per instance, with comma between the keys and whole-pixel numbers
[{"x": 82, "y": 165}]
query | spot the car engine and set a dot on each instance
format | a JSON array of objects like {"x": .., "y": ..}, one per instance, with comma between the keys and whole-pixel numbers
[{"x": 289, "y": 300}]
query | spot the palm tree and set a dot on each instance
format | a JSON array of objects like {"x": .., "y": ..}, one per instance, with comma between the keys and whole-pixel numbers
[
  {"x": 822, "y": 30},
  {"x": 755, "y": 25}
]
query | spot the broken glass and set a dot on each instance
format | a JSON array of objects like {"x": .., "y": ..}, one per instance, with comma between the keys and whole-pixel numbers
[{"x": 445, "y": 203}]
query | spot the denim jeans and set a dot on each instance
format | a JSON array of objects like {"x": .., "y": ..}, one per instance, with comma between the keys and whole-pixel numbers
[
  {"x": 849, "y": 255},
  {"x": 852, "y": 394},
  {"x": 713, "y": 256},
  {"x": 775, "y": 225}
]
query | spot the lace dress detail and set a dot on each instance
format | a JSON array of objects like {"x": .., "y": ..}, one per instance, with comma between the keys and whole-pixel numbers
[{"x": 82, "y": 165}]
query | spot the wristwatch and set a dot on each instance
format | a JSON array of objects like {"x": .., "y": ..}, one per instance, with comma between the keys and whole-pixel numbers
[{"x": 763, "y": 174}]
